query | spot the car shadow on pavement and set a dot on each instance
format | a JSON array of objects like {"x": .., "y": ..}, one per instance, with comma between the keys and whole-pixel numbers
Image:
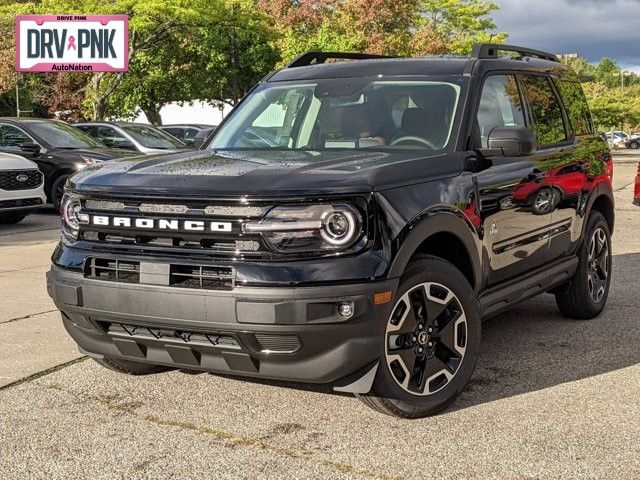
[{"x": 532, "y": 347}]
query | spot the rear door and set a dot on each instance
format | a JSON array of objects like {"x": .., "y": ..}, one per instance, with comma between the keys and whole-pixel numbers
[{"x": 584, "y": 164}]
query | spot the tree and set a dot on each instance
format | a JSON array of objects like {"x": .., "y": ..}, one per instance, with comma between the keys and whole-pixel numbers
[
  {"x": 453, "y": 26},
  {"x": 608, "y": 73}
]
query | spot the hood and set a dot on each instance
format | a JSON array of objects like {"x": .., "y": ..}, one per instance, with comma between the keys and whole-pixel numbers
[
  {"x": 94, "y": 153},
  {"x": 9, "y": 161},
  {"x": 255, "y": 173}
]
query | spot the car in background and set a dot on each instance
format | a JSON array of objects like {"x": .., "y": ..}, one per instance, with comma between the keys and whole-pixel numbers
[
  {"x": 617, "y": 138},
  {"x": 56, "y": 147},
  {"x": 137, "y": 137},
  {"x": 632, "y": 142},
  {"x": 185, "y": 132},
  {"x": 202, "y": 136},
  {"x": 21, "y": 188},
  {"x": 636, "y": 194}
]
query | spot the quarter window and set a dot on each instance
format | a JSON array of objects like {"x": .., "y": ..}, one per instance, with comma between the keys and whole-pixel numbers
[
  {"x": 500, "y": 106},
  {"x": 546, "y": 113}
]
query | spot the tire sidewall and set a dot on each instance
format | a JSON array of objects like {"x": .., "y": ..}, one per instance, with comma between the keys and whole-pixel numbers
[
  {"x": 54, "y": 187},
  {"x": 596, "y": 220},
  {"x": 438, "y": 271}
]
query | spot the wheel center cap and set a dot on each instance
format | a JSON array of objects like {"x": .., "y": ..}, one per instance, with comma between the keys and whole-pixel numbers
[{"x": 423, "y": 338}]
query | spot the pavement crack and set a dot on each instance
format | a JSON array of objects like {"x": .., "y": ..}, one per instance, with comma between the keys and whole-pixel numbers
[
  {"x": 42, "y": 373},
  {"x": 31, "y": 315},
  {"x": 227, "y": 438}
]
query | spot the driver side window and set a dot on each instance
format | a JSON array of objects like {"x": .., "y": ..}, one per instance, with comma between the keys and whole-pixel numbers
[
  {"x": 11, "y": 138},
  {"x": 500, "y": 106}
]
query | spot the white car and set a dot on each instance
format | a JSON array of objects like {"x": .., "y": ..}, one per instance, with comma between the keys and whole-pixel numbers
[{"x": 21, "y": 188}]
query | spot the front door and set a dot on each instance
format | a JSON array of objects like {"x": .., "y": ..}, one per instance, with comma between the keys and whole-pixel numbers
[{"x": 514, "y": 219}]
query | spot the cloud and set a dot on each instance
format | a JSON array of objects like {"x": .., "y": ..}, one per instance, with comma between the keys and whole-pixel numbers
[{"x": 592, "y": 28}]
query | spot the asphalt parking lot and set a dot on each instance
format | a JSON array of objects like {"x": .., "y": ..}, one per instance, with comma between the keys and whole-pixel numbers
[{"x": 550, "y": 398}]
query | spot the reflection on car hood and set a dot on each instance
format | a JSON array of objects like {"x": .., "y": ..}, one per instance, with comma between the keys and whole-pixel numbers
[
  {"x": 264, "y": 172},
  {"x": 95, "y": 153}
]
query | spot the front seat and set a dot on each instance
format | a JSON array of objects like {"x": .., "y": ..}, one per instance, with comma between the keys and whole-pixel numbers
[{"x": 431, "y": 126}]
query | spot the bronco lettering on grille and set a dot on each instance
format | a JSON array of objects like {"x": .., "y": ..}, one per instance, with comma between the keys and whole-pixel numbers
[{"x": 160, "y": 224}]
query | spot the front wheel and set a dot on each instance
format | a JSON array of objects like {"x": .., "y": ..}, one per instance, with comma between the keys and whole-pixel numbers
[
  {"x": 57, "y": 191},
  {"x": 586, "y": 295},
  {"x": 431, "y": 343}
]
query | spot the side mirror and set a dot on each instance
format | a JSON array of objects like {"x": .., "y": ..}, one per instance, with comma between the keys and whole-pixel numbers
[
  {"x": 30, "y": 147},
  {"x": 512, "y": 141}
]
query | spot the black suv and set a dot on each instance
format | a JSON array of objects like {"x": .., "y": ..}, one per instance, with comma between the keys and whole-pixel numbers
[
  {"x": 350, "y": 222},
  {"x": 59, "y": 149}
]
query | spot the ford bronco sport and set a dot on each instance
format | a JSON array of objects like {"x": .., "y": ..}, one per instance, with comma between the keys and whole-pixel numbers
[{"x": 350, "y": 222}]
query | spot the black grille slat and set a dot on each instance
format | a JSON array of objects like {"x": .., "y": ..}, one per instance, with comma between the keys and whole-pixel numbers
[
  {"x": 9, "y": 179},
  {"x": 180, "y": 276},
  {"x": 23, "y": 202}
]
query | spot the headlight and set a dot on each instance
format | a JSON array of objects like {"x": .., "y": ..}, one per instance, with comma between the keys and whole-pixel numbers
[
  {"x": 309, "y": 228},
  {"x": 71, "y": 216}
]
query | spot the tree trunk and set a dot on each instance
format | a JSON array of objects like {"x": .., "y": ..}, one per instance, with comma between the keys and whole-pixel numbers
[
  {"x": 152, "y": 112},
  {"x": 99, "y": 109}
]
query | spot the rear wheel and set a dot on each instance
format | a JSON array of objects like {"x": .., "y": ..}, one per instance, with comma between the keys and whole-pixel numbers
[
  {"x": 586, "y": 295},
  {"x": 130, "y": 368},
  {"x": 431, "y": 342},
  {"x": 8, "y": 219}
]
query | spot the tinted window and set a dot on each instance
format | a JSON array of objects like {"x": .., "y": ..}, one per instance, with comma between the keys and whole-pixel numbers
[
  {"x": 500, "y": 106},
  {"x": 112, "y": 138},
  {"x": 545, "y": 109},
  {"x": 575, "y": 103},
  {"x": 61, "y": 135},
  {"x": 11, "y": 137},
  {"x": 151, "y": 137}
]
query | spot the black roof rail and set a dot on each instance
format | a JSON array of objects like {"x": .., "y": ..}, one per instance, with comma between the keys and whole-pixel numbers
[
  {"x": 315, "y": 58},
  {"x": 490, "y": 50}
]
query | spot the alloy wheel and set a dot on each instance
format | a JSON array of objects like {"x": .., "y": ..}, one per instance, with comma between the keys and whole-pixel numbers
[
  {"x": 426, "y": 338},
  {"x": 598, "y": 271}
]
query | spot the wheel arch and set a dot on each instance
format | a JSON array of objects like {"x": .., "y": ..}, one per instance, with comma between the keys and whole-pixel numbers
[
  {"x": 602, "y": 201},
  {"x": 447, "y": 235}
]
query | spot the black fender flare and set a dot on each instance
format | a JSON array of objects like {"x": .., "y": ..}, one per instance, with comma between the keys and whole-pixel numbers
[
  {"x": 429, "y": 224},
  {"x": 601, "y": 189}
]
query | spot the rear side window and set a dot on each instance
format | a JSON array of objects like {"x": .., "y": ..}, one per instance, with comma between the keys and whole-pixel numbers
[
  {"x": 575, "y": 104},
  {"x": 545, "y": 110},
  {"x": 499, "y": 106}
]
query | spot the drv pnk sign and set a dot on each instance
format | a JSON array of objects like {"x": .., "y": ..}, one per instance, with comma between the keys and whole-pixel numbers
[{"x": 72, "y": 43}]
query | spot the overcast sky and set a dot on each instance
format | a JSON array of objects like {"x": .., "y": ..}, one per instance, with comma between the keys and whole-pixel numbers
[{"x": 592, "y": 28}]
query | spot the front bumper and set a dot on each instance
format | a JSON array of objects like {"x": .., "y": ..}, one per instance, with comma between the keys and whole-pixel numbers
[
  {"x": 22, "y": 201},
  {"x": 283, "y": 333}
]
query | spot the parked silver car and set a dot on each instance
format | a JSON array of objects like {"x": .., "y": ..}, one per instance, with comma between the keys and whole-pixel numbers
[{"x": 132, "y": 136}]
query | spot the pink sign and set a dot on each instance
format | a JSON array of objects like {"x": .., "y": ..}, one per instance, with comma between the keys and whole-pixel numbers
[{"x": 72, "y": 43}]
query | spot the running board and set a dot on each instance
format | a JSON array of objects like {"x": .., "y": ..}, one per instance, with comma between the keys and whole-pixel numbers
[{"x": 502, "y": 297}]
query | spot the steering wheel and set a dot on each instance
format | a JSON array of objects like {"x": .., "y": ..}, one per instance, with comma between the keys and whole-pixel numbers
[{"x": 413, "y": 138}]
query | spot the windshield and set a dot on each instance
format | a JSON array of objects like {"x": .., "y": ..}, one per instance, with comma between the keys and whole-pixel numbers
[
  {"x": 352, "y": 113},
  {"x": 152, "y": 137},
  {"x": 61, "y": 135}
]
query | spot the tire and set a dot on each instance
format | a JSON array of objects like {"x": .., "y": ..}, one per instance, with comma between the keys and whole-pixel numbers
[
  {"x": 635, "y": 145},
  {"x": 130, "y": 368},
  {"x": 434, "y": 286},
  {"x": 586, "y": 294},
  {"x": 57, "y": 190},
  {"x": 10, "y": 219}
]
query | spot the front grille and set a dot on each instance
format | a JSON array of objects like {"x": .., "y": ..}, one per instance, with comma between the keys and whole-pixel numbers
[
  {"x": 179, "y": 276},
  {"x": 269, "y": 343},
  {"x": 11, "y": 180},
  {"x": 169, "y": 334},
  {"x": 23, "y": 202},
  {"x": 224, "y": 243}
]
